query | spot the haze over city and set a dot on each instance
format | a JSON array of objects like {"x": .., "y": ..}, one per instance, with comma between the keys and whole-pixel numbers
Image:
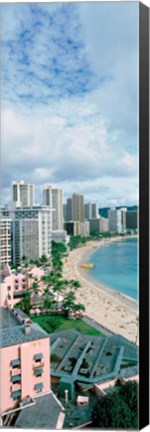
[{"x": 70, "y": 100}]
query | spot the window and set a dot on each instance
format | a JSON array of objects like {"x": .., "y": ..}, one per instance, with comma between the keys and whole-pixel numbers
[
  {"x": 38, "y": 372},
  {"x": 16, "y": 287},
  {"x": 15, "y": 363},
  {"x": 38, "y": 357},
  {"x": 9, "y": 288},
  {"x": 23, "y": 285},
  {"x": 16, "y": 394},
  {"x": 9, "y": 297},
  {"x": 38, "y": 387},
  {"x": 16, "y": 379}
]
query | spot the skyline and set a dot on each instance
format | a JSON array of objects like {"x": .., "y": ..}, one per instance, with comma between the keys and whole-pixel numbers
[{"x": 66, "y": 84}]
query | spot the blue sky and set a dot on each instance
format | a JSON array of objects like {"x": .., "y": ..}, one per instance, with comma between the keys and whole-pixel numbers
[{"x": 70, "y": 98}]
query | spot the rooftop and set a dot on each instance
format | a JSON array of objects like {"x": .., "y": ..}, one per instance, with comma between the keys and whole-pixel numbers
[
  {"x": 91, "y": 359},
  {"x": 12, "y": 331},
  {"x": 43, "y": 414}
]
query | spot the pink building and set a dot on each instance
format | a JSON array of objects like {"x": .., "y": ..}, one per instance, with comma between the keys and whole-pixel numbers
[
  {"x": 25, "y": 388},
  {"x": 15, "y": 283},
  {"x": 25, "y": 359}
]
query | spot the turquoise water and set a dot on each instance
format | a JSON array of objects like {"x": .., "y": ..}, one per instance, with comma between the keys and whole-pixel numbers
[{"x": 116, "y": 265}]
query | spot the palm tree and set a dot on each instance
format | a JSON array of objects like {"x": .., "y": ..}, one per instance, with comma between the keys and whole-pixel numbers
[{"x": 69, "y": 302}]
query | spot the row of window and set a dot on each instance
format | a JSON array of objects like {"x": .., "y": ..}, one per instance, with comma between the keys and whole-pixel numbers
[
  {"x": 17, "y": 393},
  {"x": 17, "y": 363}
]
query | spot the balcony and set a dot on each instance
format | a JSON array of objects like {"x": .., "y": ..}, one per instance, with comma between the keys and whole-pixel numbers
[{"x": 38, "y": 365}]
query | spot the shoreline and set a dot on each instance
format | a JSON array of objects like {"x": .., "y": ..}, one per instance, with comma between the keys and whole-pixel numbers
[
  {"x": 130, "y": 301},
  {"x": 109, "y": 308}
]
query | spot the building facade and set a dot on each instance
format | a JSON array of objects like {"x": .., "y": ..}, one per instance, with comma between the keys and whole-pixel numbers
[
  {"x": 53, "y": 197},
  {"x": 5, "y": 241},
  {"x": 132, "y": 219},
  {"x": 69, "y": 209},
  {"x": 103, "y": 224},
  {"x": 31, "y": 227},
  {"x": 95, "y": 213},
  {"x": 88, "y": 211},
  {"x": 22, "y": 193},
  {"x": 115, "y": 220},
  {"x": 77, "y": 207},
  {"x": 25, "y": 360}
]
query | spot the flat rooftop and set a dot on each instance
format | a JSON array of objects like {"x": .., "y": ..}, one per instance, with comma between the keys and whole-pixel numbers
[
  {"x": 12, "y": 331},
  {"x": 43, "y": 414}
]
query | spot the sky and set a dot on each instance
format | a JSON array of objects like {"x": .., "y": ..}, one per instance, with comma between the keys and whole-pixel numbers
[{"x": 70, "y": 99}]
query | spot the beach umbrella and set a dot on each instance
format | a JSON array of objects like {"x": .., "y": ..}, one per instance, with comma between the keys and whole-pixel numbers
[
  {"x": 37, "y": 311},
  {"x": 31, "y": 312}
]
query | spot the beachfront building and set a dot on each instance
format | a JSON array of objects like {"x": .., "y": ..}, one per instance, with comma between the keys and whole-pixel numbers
[
  {"x": 5, "y": 241},
  {"x": 77, "y": 207},
  {"x": 31, "y": 232},
  {"x": 72, "y": 227},
  {"x": 14, "y": 284},
  {"x": 69, "y": 209},
  {"x": 25, "y": 365},
  {"x": 84, "y": 228},
  {"x": 94, "y": 225},
  {"x": 25, "y": 240},
  {"x": 25, "y": 387},
  {"x": 22, "y": 193},
  {"x": 60, "y": 236},
  {"x": 53, "y": 197},
  {"x": 103, "y": 224},
  {"x": 114, "y": 221},
  {"x": 95, "y": 212},
  {"x": 88, "y": 210},
  {"x": 132, "y": 219}
]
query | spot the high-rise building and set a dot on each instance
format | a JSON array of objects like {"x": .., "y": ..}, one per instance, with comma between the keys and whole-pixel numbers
[
  {"x": 77, "y": 207},
  {"x": 31, "y": 228},
  {"x": 25, "y": 240},
  {"x": 69, "y": 209},
  {"x": 54, "y": 197},
  {"x": 114, "y": 220},
  {"x": 95, "y": 213},
  {"x": 88, "y": 210},
  {"x": 132, "y": 219},
  {"x": 5, "y": 241},
  {"x": 22, "y": 193},
  {"x": 103, "y": 224}
]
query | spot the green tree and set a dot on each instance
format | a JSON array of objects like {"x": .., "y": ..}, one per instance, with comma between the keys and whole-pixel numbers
[
  {"x": 69, "y": 302},
  {"x": 116, "y": 411},
  {"x": 26, "y": 302}
]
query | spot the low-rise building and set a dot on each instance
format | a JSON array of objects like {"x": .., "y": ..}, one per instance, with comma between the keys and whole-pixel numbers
[{"x": 60, "y": 236}]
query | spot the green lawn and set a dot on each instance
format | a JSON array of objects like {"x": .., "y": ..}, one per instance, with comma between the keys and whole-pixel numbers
[{"x": 52, "y": 323}]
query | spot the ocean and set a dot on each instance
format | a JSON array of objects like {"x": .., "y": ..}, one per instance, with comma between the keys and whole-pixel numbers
[{"x": 116, "y": 265}]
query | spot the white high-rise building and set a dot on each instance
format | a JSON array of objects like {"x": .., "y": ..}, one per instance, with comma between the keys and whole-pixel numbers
[
  {"x": 115, "y": 220},
  {"x": 22, "y": 193},
  {"x": 53, "y": 197},
  {"x": 5, "y": 241},
  {"x": 95, "y": 213},
  {"x": 31, "y": 232}
]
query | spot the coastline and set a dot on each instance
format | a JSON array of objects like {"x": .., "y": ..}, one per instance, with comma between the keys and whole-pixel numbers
[{"x": 109, "y": 308}]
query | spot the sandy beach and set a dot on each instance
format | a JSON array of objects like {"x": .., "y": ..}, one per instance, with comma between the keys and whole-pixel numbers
[{"x": 104, "y": 305}]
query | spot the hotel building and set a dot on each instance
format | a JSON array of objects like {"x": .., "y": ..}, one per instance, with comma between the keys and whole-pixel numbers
[
  {"x": 25, "y": 359},
  {"x": 54, "y": 197},
  {"x": 115, "y": 220},
  {"x": 69, "y": 209},
  {"x": 77, "y": 207},
  {"x": 95, "y": 213},
  {"x": 132, "y": 219},
  {"x": 31, "y": 232},
  {"x": 88, "y": 211},
  {"x": 5, "y": 241},
  {"x": 22, "y": 193},
  {"x": 25, "y": 386}
]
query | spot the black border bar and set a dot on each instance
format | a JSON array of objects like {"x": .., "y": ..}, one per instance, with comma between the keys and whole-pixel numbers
[{"x": 144, "y": 215}]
